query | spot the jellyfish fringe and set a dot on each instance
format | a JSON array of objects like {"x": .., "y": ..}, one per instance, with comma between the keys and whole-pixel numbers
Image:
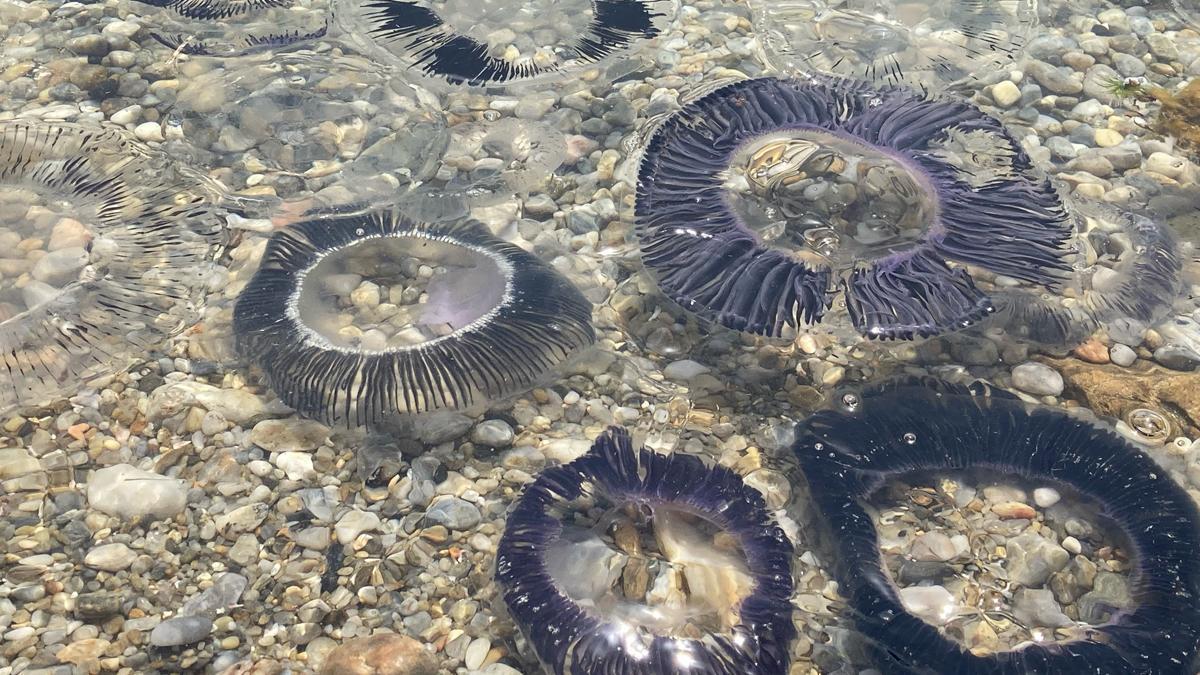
[
  {"x": 708, "y": 260},
  {"x": 925, "y": 425},
  {"x": 569, "y": 638},
  {"x": 214, "y": 10},
  {"x": 540, "y": 321},
  {"x": 161, "y": 233},
  {"x": 420, "y": 37},
  {"x": 1146, "y": 285}
]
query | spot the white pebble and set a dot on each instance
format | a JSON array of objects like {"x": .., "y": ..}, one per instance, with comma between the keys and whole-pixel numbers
[
  {"x": 148, "y": 131},
  {"x": 477, "y": 651},
  {"x": 1046, "y": 497}
]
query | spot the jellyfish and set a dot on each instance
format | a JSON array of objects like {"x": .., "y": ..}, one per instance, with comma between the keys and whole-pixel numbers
[
  {"x": 285, "y": 129},
  {"x": 503, "y": 42},
  {"x": 759, "y": 202},
  {"x": 356, "y": 317},
  {"x": 556, "y": 574},
  {"x": 108, "y": 247},
  {"x": 913, "y": 425},
  {"x": 506, "y": 158},
  {"x": 928, "y": 45},
  {"x": 1129, "y": 271},
  {"x": 232, "y": 28}
]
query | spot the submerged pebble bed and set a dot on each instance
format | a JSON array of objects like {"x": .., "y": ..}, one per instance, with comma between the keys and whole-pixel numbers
[{"x": 177, "y": 516}]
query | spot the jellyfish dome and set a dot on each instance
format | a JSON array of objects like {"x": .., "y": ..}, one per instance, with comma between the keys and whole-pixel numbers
[
  {"x": 107, "y": 252},
  {"x": 928, "y": 44},
  {"x": 230, "y": 28},
  {"x": 913, "y": 425},
  {"x": 356, "y": 317},
  {"x": 343, "y": 134},
  {"x": 760, "y": 202},
  {"x": 503, "y": 42},
  {"x": 706, "y": 591},
  {"x": 1127, "y": 273}
]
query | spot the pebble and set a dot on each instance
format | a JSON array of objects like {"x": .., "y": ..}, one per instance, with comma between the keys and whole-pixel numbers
[
  {"x": 353, "y": 524},
  {"x": 492, "y": 434},
  {"x": 1168, "y": 165},
  {"x": 1037, "y": 607},
  {"x": 477, "y": 651},
  {"x": 128, "y": 492},
  {"x": 1038, "y": 379},
  {"x": 1006, "y": 94},
  {"x": 1032, "y": 559},
  {"x": 454, "y": 513},
  {"x": 1122, "y": 355},
  {"x": 686, "y": 369},
  {"x": 1092, "y": 351},
  {"x": 289, "y": 435},
  {"x": 181, "y": 630},
  {"x": 149, "y": 131},
  {"x": 1107, "y": 138},
  {"x": 933, "y": 547},
  {"x": 382, "y": 654},
  {"x": 440, "y": 427},
  {"x": 1045, "y": 497},
  {"x": 1014, "y": 510},
  {"x": 298, "y": 466},
  {"x": 933, "y": 604},
  {"x": 110, "y": 557},
  {"x": 236, "y": 405},
  {"x": 222, "y": 595}
]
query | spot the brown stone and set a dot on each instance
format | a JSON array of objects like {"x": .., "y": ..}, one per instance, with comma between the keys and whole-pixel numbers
[
  {"x": 1014, "y": 510},
  {"x": 1115, "y": 392},
  {"x": 83, "y": 653},
  {"x": 1092, "y": 351},
  {"x": 384, "y": 654}
]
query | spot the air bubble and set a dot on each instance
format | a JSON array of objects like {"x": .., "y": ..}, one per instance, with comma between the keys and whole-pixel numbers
[
  {"x": 910, "y": 438},
  {"x": 851, "y": 401}
]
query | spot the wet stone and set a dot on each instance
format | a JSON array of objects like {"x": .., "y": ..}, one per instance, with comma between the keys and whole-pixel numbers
[
  {"x": 128, "y": 492},
  {"x": 95, "y": 606},
  {"x": 182, "y": 630},
  {"x": 492, "y": 434},
  {"x": 1037, "y": 379},
  {"x": 454, "y": 513}
]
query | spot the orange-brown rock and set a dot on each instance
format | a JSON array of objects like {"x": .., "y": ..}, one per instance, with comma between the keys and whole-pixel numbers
[
  {"x": 1014, "y": 510},
  {"x": 1092, "y": 351},
  {"x": 385, "y": 654},
  {"x": 1115, "y": 392}
]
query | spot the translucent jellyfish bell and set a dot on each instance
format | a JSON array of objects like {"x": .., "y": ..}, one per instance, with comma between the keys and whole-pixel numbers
[
  {"x": 355, "y": 318},
  {"x": 228, "y": 28},
  {"x": 490, "y": 162},
  {"x": 106, "y": 252},
  {"x": 503, "y": 42},
  {"x": 927, "y": 44},
  {"x": 1126, "y": 273},
  {"x": 291, "y": 127}
]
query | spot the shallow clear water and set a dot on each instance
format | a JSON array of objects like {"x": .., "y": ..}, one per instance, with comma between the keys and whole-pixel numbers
[{"x": 197, "y": 478}]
